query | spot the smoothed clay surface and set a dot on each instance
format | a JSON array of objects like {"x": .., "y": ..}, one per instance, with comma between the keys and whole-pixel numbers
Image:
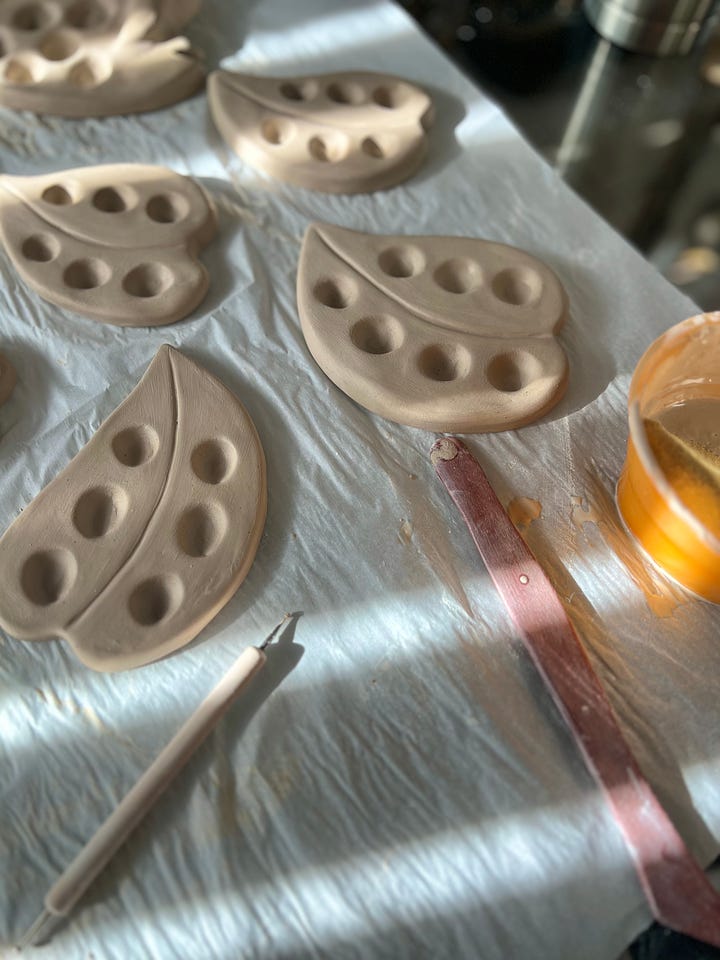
[
  {"x": 150, "y": 529},
  {"x": 96, "y": 58},
  {"x": 8, "y": 378},
  {"x": 351, "y": 132},
  {"x": 117, "y": 243},
  {"x": 441, "y": 333}
]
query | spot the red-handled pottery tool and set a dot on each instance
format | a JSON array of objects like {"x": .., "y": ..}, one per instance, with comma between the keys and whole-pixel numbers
[{"x": 678, "y": 892}]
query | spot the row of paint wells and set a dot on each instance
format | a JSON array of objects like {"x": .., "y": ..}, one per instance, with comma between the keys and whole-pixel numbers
[
  {"x": 47, "y": 576},
  {"x": 145, "y": 279}
]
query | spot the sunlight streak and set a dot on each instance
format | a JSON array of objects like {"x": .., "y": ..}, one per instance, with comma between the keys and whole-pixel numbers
[
  {"x": 449, "y": 872},
  {"x": 339, "y": 33}
]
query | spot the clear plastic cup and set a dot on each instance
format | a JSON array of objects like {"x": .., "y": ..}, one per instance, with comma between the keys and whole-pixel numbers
[{"x": 669, "y": 490}]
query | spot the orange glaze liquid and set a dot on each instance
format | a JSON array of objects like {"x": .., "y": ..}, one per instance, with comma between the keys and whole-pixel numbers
[{"x": 684, "y": 440}]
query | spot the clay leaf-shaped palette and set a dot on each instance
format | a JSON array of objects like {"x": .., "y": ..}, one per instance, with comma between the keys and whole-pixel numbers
[
  {"x": 442, "y": 333},
  {"x": 150, "y": 529},
  {"x": 339, "y": 132},
  {"x": 95, "y": 58},
  {"x": 117, "y": 243}
]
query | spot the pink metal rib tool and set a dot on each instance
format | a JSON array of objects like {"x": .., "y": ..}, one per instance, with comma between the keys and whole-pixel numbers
[{"x": 679, "y": 894}]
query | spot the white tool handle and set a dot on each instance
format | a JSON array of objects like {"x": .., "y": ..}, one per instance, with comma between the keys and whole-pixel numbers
[{"x": 75, "y": 880}]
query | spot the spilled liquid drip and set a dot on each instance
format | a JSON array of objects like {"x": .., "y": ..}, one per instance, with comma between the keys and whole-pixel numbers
[
  {"x": 523, "y": 511},
  {"x": 662, "y": 597}
]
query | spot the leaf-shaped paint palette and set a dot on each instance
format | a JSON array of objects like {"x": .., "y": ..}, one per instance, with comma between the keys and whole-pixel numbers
[
  {"x": 339, "y": 133},
  {"x": 150, "y": 529},
  {"x": 442, "y": 333},
  {"x": 95, "y": 58},
  {"x": 117, "y": 243}
]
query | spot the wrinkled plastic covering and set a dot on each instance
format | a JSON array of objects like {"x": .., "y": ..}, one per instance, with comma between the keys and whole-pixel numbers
[{"x": 398, "y": 782}]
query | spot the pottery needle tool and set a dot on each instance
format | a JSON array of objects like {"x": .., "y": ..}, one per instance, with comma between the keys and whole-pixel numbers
[
  {"x": 75, "y": 880},
  {"x": 679, "y": 894}
]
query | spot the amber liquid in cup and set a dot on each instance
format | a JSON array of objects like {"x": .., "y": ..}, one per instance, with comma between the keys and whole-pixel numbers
[{"x": 669, "y": 489}]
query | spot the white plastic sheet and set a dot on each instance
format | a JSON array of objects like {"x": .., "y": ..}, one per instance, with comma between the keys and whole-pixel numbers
[{"x": 398, "y": 784}]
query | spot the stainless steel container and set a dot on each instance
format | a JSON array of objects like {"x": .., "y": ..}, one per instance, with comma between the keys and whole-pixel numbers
[{"x": 660, "y": 27}]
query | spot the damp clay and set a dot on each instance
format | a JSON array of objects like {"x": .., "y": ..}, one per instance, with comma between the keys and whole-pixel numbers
[
  {"x": 150, "y": 529},
  {"x": 338, "y": 132},
  {"x": 96, "y": 58},
  {"x": 116, "y": 243},
  {"x": 8, "y": 379},
  {"x": 441, "y": 333}
]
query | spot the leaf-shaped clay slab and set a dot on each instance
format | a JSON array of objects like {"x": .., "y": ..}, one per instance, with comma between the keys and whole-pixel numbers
[
  {"x": 442, "y": 333},
  {"x": 147, "y": 533},
  {"x": 117, "y": 243},
  {"x": 95, "y": 58},
  {"x": 339, "y": 132}
]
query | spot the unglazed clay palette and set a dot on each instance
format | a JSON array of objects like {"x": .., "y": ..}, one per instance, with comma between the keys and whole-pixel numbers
[
  {"x": 93, "y": 58},
  {"x": 148, "y": 532},
  {"x": 442, "y": 333},
  {"x": 117, "y": 243},
  {"x": 339, "y": 132}
]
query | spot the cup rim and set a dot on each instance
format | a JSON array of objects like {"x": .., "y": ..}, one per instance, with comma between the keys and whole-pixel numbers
[{"x": 639, "y": 437}]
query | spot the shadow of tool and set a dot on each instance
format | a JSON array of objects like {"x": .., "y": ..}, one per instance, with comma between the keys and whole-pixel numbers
[{"x": 282, "y": 656}]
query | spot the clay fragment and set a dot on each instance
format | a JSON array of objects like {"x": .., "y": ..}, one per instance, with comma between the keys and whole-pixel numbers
[
  {"x": 96, "y": 58},
  {"x": 150, "y": 529},
  {"x": 117, "y": 242},
  {"x": 352, "y": 132},
  {"x": 441, "y": 333}
]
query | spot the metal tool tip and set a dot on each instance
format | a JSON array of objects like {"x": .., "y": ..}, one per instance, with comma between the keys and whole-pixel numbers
[
  {"x": 34, "y": 933},
  {"x": 273, "y": 633}
]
